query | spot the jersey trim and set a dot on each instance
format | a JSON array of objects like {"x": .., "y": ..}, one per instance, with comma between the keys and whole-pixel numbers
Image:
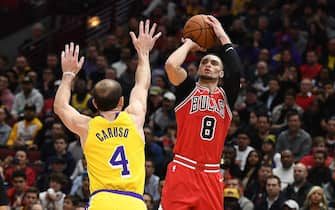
[
  {"x": 227, "y": 103},
  {"x": 183, "y": 102}
]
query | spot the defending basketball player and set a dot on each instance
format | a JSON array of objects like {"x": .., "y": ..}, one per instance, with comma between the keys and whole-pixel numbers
[
  {"x": 193, "y": 179},
  {"x": 113, "y": 142}
]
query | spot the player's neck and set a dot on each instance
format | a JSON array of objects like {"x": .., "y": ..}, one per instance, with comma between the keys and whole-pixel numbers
[
  {"x": 110, "y": 115},
  {"x": 211, "y": 85}
]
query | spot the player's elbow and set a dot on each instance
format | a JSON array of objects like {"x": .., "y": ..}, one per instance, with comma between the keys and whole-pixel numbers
[
  {"x": 171, "y": 70},
  {"x": 57, "y": 108}
]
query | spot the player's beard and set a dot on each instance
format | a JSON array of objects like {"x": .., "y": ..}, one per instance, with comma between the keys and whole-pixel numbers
[{"x": 207, "y": 78}]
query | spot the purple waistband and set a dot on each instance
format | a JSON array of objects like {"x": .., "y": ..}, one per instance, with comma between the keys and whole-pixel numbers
[{"x": 120, "y": 192}]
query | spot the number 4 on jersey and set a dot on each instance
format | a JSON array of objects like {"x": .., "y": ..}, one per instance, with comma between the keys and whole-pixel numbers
[{"x": 119, "y": 160}]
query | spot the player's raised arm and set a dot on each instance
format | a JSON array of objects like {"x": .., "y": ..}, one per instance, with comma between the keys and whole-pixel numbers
[
  {"x": 175, "y": 72},
  {"x": 73, "y": 120},
  {"x": 231, "y": 61},
  {"x": 143, "y": 44}
]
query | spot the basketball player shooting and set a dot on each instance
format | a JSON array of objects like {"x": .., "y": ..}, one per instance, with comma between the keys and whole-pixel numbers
[
  {"x": 113, "y": 142},
  {"x": 193, "y": 179}
]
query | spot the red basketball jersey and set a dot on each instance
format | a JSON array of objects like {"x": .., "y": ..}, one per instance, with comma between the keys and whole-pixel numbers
[{"x": 203, "y": 119}]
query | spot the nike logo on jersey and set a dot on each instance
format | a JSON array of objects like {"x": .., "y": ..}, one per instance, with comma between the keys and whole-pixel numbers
[{"x": 205, "y": 103}]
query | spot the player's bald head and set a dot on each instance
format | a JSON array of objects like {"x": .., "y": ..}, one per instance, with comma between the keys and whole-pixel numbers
[{"x": 107, "y": 94}]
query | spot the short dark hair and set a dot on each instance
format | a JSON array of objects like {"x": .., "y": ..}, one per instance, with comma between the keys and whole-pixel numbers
[
  {"x": 273, "y": 177},
  {"x": 19, "y": 173},
  {"x": 32, "y": 190},
  {"x": 58, "y": 177},
  {"x": 292, "y": 113},
  {"x": 107, "y": 95}
]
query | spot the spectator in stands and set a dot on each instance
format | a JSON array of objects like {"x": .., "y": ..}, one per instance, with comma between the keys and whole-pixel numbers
[
  {"x": 286, "y": 170},
  {"x": 279, "y": 112},
  {"x": 6, "y": 95},
  {"x": 127, "y": 78},
  {"x": 15, "y": 193},
  {"x": 70, "y": 202},
  {"x": 24, "y": 131},
  {"x": 255, "y": 190},
  {"x": 46, "y": 84},
  {"x": 300, "y": 187},
  {"x": 242, "y": 149},
  {"x": 311, "y": 68},
  {"x": 164, "y": 115},
  {"x": 20, "y": 163},
  {"x": 148, "y": 200},
  {"x": 319, "y": 174},
  {"x": 111, "y": 49},
  {"x": 274, "y": 198},
  {"x": 53, "y": 64},
  {"x": 330, "y": 136},
  {"x": 121, "y": 65},
  {"x": 80, "y": 95},
  {"x": 231, "y": 197},
  {"x": 244, "y": 203},
  {"x": 75, "y": 149},
  {"x": 60, "y": 146},
  {"x": 53, "y": 198},
  {"x": 294, "y": 137},
  {"x": 98, "y": 75},
  {"x": 290, "y": 205},
  {"x": 251, "y": 103},
  {"x": 3, "y": 196},
  {"x": 289, "y": 79},
  {"x": 91, "y": 59},
  {"x": 45, "y": 139},
  {"x": 328, "y": 57},
  {"x": 305, "y": 97},
  {"x": 152, "y": 149},
  {"x": 261, "y": 78},
  {"x": 229, "y": 166},
  {"x": 263, "y": 126},
  {"x": 30, "y": 197},
  {"x": 151, "y": 180},
  {"x": 315, "y": 199},
  {"x": 28, "y": 95},
  {"x": 268, "y": 151},
  {"x": 329, "y": 189},
  {"x": 83, "y": 192},
  {"x": 272, "y": 97},
  {"x": 57, "y": 165},
  {"x": 4, "y": 128},
  {"x": 253, "y": 163},
  {"x": 318, "y": 144}
]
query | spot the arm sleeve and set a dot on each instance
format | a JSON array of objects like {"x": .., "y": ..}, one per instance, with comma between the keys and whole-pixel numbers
[
  {"x": 232, "y": 70},
  {"x": 184, "y": 89}
]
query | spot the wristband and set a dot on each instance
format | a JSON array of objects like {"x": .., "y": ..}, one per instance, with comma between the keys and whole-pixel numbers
[{"x": 69, "y": 73}]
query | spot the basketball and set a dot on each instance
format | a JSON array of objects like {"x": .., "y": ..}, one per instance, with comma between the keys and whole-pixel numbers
[{"x": 199, "y": 31}]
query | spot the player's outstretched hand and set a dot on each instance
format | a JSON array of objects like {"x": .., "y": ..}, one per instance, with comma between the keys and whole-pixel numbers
[
  {"x": 146, "y": 38},
  {"x": 70, "y": 63}
]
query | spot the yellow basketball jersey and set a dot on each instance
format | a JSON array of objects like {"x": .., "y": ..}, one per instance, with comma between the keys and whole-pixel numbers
[{"x": 115, "y": 155}]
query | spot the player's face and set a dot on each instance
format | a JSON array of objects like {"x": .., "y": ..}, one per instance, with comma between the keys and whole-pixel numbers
[{"x": 210, "y": 68}]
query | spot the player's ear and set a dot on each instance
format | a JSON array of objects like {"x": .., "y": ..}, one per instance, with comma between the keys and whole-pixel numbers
[
  {"x": 221, "y": 74},
  {"x": 121, "y": 103}
]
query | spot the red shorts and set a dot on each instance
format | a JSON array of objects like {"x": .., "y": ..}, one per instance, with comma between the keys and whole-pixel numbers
[{"x": 186, "y": 188}]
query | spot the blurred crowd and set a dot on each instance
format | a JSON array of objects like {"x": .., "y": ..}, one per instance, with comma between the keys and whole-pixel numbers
[{"x": 281, "y": 143}]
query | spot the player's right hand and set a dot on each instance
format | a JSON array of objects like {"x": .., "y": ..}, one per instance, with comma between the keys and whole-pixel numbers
[{"x": 69, "y": 59}]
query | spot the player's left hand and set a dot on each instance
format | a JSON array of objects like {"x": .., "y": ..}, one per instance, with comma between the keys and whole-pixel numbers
[
  {"x": 217, "y": 28},
  {"x": 69, "y": 59},
  {"x": 146, "y": 38}
]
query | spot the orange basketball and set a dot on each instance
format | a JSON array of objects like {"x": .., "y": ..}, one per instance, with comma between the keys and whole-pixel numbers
[{"x": 199, "y": 31}]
